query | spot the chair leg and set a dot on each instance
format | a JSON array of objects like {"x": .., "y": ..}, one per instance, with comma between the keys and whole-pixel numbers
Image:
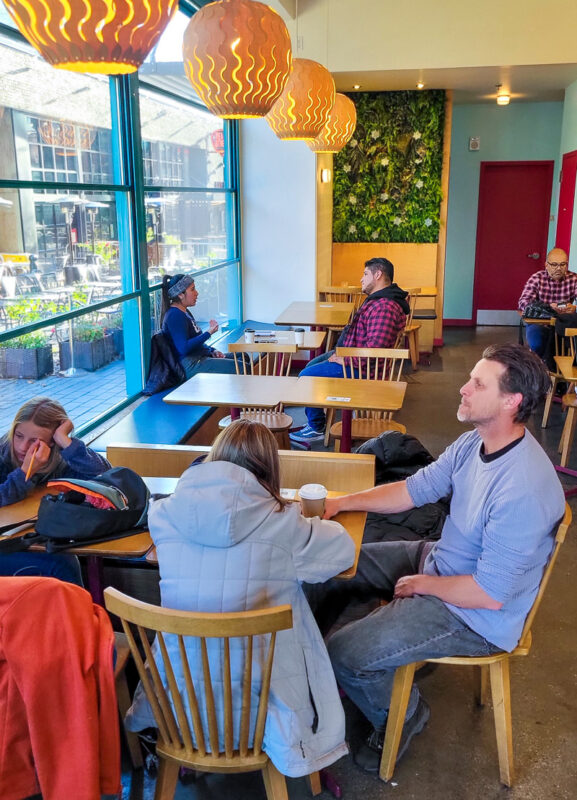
[
  {"x": 402, "y": 684},
  {"x": 501, "y": 693},
  {"x": 549, "y": 402},
  {"x": 166, "y": 779},
  {"x": 132, "y": 740},
  {"x": 482, "y": 685},
  {"x": 330, "y": 415},
  {"x": 413, "y": 342},
  {"x": 567, "y": 435},
  {"x": 314, "y": 782},
  {"x": 274, "y": 783}
]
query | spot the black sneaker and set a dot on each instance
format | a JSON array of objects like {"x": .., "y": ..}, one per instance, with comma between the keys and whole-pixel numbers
[{"x": 368, "y": 757}]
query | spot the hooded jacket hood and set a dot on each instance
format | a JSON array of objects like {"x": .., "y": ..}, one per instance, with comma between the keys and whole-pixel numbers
[
  {"x": 216, "y": 504},
  {"x": 392, "y": 292}
]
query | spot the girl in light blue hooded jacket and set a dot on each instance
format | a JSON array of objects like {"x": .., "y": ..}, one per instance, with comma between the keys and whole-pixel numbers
[{"x": 227, "y": 541}]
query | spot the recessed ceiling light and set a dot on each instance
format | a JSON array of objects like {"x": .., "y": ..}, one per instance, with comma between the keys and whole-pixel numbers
[
  {"x": 357, "y": 86},
  {"x": 503, "y": 98},
  {"x": 420, "y": 85}
]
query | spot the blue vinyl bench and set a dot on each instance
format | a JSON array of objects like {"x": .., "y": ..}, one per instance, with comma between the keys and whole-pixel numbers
[{"x": 156, "y": 422}]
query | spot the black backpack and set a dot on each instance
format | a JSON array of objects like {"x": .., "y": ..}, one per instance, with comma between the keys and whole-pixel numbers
[{"x": 110, "y": 506}]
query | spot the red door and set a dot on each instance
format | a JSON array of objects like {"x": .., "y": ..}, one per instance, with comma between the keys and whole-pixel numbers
[
  {"x": 512, "y": 228},
  {"x": 566, "y": 200}
]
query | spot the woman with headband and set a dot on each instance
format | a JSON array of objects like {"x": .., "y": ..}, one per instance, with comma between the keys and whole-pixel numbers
[{"x": 178, "y": 295}]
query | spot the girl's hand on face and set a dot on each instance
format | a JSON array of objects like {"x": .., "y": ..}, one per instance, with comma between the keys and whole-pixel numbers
[
  {"x": 40, "y": 452},
  {"x": 61, "y": 434}
]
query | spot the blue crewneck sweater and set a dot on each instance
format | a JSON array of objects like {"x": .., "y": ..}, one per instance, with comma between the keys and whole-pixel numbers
[{"x": 500, "y": 529}]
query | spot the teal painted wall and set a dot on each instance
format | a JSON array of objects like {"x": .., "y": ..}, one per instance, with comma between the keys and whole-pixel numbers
[{"x": 518, "y": 132}]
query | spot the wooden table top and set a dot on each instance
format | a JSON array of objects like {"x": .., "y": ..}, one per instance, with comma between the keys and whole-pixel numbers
[
  {"x": 313, "y": 339},
  {"x": 310, "y": 313},
  {"x": 239, "y": 391},
  {"x": 352, "y": 521},
  {"x": 346, "y": 393},
  {"x": 260, "y": 391}
]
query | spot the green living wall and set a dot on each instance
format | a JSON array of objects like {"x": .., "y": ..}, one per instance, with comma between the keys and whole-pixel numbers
[{"x": 387, "y": 180}]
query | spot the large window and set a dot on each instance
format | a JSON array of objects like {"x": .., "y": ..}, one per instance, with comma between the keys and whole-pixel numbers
[{"x": 72, "y": 268}]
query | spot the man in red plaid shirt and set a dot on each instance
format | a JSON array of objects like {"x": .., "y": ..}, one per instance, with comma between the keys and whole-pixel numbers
[
  {"x": 377, "y": 323},
  {"x": 552, "y": 285}
]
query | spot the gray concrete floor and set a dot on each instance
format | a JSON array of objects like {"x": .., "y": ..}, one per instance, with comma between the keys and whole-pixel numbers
[{"x": 456, "y": 757}]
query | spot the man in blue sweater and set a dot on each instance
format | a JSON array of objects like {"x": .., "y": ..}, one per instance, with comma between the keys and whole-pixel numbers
[{"x": 470, "y": 592}]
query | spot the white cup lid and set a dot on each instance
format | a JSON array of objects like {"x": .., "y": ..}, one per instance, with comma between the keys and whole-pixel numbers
[{"x": 313, "y": 491}]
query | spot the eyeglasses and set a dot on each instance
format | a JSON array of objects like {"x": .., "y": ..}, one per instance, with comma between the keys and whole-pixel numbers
[{"x": 555, "y": 264}]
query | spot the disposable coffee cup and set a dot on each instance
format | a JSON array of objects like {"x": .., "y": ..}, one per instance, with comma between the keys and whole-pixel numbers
[
  {"x": 312, "y": 497},
  {"x": 299, "y": 336},
  {"x": 249, "y": 336}
]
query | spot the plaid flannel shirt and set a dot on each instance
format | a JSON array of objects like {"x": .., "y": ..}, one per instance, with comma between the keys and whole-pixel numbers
[
  {"x": 376, "y": 324},
  {"x": 541, "y": 287}
]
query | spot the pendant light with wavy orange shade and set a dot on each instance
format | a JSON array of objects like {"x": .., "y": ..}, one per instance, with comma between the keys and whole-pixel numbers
[
  {"x": 237, "y": 55},
  {"x": 304, "y": 105},
  {"x": 339, "y": 127},
  {"x": 99, "y": 36}
]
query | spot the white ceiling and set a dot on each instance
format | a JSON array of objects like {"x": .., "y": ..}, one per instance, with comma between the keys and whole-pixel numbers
[{"x": 531, "y": 83}]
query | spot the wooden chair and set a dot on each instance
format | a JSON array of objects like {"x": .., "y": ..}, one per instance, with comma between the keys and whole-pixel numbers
[
  {"x": 188, "y": 741},
  {"x": 376, "y": 364},
  {"x": 564, "y": 346},
  {"x": 273, "y": 359},
  {"x": 495, "y": 667},
  {"x": 410, "y": 333},
  {"x": 340, "y": 294}
]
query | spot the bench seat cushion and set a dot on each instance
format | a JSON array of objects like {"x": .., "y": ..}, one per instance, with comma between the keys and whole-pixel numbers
[{"x": 154, "y": 422}]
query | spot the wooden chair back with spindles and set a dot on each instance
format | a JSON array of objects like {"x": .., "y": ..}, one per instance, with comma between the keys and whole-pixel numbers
[
  {"x": 374, "y": 364},
  {"x": 410, "y": 333},
  {"x": 564, "y": 346},
  {"x": 273, "y": 359},
  {"x": 206, "y": 721},
  {"x": 340, "y": 294}
]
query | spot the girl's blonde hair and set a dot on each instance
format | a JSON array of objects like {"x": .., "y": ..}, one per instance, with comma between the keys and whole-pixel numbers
[
  {"x": 45, "y": 413},
  {"x": 251, "y": 445}
]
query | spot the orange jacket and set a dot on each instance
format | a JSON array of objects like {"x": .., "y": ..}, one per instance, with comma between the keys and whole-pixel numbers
[{"x": 58, "y": 717}]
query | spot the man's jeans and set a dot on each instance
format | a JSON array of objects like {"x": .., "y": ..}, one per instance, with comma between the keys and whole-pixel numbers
[
  {"x": 323, "y": 368},
  {"x": 366, "y": 653},
  {"x": 537, "y": 337}
]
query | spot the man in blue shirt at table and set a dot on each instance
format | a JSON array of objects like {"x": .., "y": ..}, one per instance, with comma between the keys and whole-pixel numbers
[{"x": 470, "y": 592}]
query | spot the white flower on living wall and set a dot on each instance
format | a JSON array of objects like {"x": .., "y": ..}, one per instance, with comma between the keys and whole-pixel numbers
[
  {"x": 419, "y": 184},
  {"x": 384, "y": 162},
  {"x": 384, "y": 197},
  {"x": 397, "y": 221},
  {"x": 375, "y": 134},
  {"x": 346, "y": 167},
  {"x": 353, "y": 143},
  {"x": 375, "y": 235},
  {"x": 417, "y": 135},
  {"x": 428, "y": 222},
  {"x": 352, "y": 228},
  {"x": 352, "y": 200},
  {"x": 418, "y": 161}
]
